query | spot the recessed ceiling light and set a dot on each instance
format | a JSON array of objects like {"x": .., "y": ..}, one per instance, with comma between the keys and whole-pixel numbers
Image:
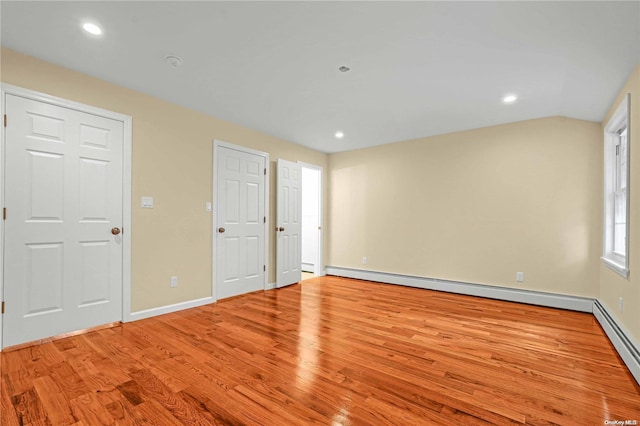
[
  {"x": 344, "y": 68},
  {"x": 92, "y": 28},
  {"x": 509, "y": 99},
  {"x": 339, "y": 135}
]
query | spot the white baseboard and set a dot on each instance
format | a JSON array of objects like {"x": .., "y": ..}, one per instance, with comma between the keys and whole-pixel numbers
[
  {"x": 627, "y": 348},
  {"x": 148, "y": 313},
  {"x": 573, "y": 303},
  {"x": 308, "y": 267}
]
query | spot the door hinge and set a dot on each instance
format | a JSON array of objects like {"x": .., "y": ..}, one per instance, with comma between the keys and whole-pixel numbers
[
  {"x": 4, "y": 213},
  {"x": 264, "y": 268},
  {"x": 265, "y": 169},
  {"x": 2, "y": 307},
  {"x": 5, "y": 120},
  {"x": 618, "y": 149},
  {"x": 264, "y": 219}
]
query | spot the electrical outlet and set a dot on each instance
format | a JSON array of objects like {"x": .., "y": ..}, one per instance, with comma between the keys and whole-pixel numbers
[
  {"x": 174, "y": 281},
  {"x": 364, "y": 260},
  {"x": 620, "y": 304},
  {"x": 520, "y": 277}
]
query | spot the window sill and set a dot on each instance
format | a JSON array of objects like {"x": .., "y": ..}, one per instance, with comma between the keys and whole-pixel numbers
[{"x": 616, "y": 267}]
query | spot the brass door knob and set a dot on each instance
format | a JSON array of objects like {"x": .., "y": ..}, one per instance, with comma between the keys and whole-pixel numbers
[
  {"x": 221, "y": 230},
  {"x": 281, "y": 229},
  {"x": 115, "y": 231}
]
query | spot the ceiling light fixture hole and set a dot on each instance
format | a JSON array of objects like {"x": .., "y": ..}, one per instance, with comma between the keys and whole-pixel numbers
[{"x": 344, "y": 68}]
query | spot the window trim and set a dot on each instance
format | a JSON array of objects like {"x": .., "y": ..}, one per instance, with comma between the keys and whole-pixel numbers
[{"x": 619, "y": 120}]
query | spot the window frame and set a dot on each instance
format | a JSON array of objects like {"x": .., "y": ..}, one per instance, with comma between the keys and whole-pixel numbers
[{"x": 619, "y": 121}]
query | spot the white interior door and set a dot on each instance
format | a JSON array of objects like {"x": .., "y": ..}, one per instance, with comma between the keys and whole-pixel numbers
[
  {"x": 288, "y": 223},
  {"x": 240, "y": 222},
  {"x": 63, "y": 195}
]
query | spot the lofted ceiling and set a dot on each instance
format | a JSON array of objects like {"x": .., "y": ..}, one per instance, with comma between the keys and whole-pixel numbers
[{"x": 416, "y": 68}]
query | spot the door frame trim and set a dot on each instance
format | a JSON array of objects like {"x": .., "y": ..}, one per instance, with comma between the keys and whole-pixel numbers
[
  {"x": 217, "y": 144},
  {"x": 8, "y": 89},
  {"x": 319, "y": 268}
]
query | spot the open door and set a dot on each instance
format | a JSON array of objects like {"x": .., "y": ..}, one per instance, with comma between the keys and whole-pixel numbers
[{"x": 288, "y": 223}]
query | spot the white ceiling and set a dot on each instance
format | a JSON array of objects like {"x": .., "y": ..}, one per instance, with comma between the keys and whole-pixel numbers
[{"x": 417, "y": 68}]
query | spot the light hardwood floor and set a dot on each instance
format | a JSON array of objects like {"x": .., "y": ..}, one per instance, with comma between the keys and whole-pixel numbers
[
  {"x": 328, "y": 351},
  {"x": 307, "y": 275}
]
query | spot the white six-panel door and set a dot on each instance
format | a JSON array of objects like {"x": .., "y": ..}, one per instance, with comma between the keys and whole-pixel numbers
[
  {"x": 288, "y": 224},
  {"x": 240, "y": 222},
  {"x": 63, "y": 194}
]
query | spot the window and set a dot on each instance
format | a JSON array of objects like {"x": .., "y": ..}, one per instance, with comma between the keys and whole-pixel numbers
[{"x": 616, "y": 187}]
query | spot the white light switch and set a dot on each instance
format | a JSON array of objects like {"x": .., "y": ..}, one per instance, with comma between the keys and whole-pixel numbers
[
  {"x": 147, "y": 202},
  {"x": 207, "y": 207}
]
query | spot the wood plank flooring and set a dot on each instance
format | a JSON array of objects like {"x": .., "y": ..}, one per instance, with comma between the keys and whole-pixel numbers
[{"x": 328, "y": 351}]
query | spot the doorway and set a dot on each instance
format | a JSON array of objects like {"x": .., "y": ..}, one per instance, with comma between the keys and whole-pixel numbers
[{"x": 311, "y": 221}]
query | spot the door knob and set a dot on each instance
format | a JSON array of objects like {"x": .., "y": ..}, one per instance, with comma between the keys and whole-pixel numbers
[
  {"x": 115, "y": 231},
  {"x": 221, "y": 230},
  {"x": 281, "y": 229}
]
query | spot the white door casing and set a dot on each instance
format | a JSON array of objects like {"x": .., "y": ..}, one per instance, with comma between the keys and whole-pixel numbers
[
  {"x": 66, "y": 176},
  {"x": 239, "y": 220},
  {"x": 288, "y": 223}
]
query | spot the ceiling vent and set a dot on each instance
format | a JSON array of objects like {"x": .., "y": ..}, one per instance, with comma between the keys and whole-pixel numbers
[{"x": 174, "y": 61}]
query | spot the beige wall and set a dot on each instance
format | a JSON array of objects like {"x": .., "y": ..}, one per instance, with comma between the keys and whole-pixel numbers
[
  {"x": 476, "y": 206},
  {"x": 172, "y": 161},
  {"x": 612, "y": 285},
  {"x": 473, "y": 206}
]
